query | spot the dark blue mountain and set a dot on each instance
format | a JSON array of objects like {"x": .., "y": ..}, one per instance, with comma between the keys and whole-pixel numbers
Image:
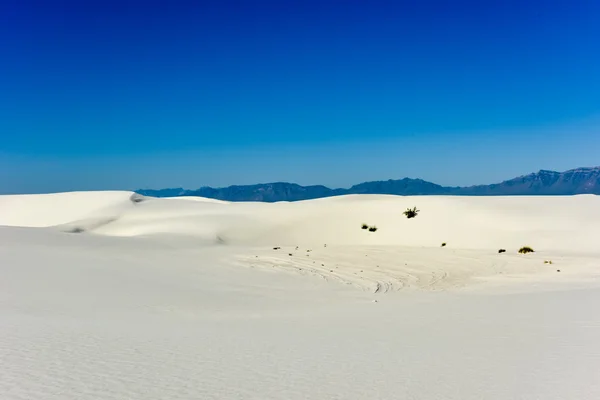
[{"x": 575, "y": 181}]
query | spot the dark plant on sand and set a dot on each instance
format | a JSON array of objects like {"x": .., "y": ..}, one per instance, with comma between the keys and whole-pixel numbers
[
  {"x": 411, "y": 212},
  {"x": 525, "y": 250}
]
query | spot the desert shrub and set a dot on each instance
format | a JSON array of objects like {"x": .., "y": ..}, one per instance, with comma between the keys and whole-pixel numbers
[
  {"x": 372, "y": 229},
  {"x": 444, "y": 244},
  {"x": 137, "y": 198},
  {"x": 411, "y": 212},
  {"x": 502, "y": 251},
  {"x": 525, "y": 250},
  {"x": 364, "y": 226}
]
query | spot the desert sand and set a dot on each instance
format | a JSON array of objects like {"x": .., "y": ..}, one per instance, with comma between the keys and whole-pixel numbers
[{"x": 111, "y": 295}]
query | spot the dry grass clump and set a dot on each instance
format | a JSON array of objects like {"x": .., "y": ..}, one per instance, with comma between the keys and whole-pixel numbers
[
  {"x": 525, "y": 250},
  {"x": 411, "y": 212}
]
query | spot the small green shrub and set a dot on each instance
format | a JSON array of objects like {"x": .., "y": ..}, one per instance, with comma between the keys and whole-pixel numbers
[
  {"x": 411, "y": 212},
  {"x": 364, "y": 226},
  {"x": 372, "y": 229},
  {"x": 444, "y": 244},
  {"x": 525, "y": 250},
  {"x": 502, "y": 251}
]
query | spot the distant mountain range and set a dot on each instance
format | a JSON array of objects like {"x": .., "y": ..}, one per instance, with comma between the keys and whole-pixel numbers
[{"x": 575, "y": 181}]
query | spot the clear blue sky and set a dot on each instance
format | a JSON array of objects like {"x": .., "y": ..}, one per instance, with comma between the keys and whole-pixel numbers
[{"x": 129, "y": 94}]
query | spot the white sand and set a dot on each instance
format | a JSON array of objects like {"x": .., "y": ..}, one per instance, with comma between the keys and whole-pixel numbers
[{"x": 186, "y": 298}]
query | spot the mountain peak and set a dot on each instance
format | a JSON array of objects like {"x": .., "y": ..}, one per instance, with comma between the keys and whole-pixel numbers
[{"x": 584, "y": 170}]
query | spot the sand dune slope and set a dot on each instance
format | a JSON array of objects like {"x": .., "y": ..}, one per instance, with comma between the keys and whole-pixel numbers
[
  {"x": 570, "y": 223},
  {"x": 43, "y": 210},
  {"x": 324, "y": 238},
  {"x": 105, "y": 296}
]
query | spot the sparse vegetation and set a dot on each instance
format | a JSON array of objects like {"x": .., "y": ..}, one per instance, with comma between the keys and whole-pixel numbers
[
  {"x": 502, "y": 251},
  {"x": 373, "y": 228},
  {"x": 364, "y": 226},
  {"x": 136, "y": 198},
  {"x": 444, "y": 244},
  {"x": 525, "y": 250},
  {"x": 411, "y": 212}
]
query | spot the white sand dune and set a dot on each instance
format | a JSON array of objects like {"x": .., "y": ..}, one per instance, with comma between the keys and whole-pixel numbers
[
  {"x": 569, "y": 223},
  {"x": 43, "y": 210},
  {"x": 110, "y": 295}
]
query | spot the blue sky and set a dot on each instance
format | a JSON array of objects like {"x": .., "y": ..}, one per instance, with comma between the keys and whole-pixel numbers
[{"x": 131, "y": 94}]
